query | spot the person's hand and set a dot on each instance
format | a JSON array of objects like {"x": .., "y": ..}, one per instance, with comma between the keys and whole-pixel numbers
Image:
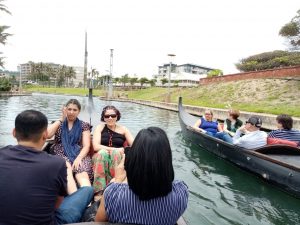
[
  {"x": 243, "y": 129},
  {"x": 63, "y": 113},
  {"x": 77, "y": 162},
  {"x": 120, "y": 173}
]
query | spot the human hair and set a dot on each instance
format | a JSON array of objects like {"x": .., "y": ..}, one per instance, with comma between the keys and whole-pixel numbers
[
  {"x": 112, "y": 108},
  {"x": 148, "y": 164},
  {"x": 286, "y": 121},
  {"x": 210, "y": 111},
  {"x": 234, "y": 113},
  {"x": 74, "y": 102},
  {"x": 30, "y": 125}
]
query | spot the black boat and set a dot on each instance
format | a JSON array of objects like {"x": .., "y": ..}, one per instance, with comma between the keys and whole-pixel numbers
[{"x": 277, "y": 164}]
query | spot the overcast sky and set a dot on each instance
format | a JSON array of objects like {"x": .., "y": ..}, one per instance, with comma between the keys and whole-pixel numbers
[{"x": 214, "y": 33}]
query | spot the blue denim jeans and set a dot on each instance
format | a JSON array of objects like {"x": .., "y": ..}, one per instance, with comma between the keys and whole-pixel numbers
[
  {"x": 74, "y": 205},
  {"x": 224, "y": 136},
  {"x": 221, "y": 135}
]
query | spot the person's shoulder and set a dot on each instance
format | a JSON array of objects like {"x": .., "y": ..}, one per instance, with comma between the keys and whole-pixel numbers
[
  {"x": 54, "y": 159},
  {"x": 179, "y": 184}
]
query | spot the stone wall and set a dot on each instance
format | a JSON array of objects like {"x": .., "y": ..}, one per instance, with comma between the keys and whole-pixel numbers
[{"x": 273, "y": 73}]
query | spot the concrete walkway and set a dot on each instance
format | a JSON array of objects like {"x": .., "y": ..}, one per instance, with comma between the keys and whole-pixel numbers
[{"x": 269, "y": 120}]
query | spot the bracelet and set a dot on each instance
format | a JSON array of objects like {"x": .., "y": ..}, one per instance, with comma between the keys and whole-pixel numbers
[{"x": 60, "y": 121}]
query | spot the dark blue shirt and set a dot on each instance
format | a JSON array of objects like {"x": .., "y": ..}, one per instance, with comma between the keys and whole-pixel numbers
[
  {"x": 209, "y": 126},
  {"x": 30, "y": 182}
]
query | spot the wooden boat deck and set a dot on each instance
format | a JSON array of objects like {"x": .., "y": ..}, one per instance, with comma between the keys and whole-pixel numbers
[{"x": 289, "y": 159}]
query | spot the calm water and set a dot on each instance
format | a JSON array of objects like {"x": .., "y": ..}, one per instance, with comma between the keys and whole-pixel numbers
[{"x": 220, "y": 193}]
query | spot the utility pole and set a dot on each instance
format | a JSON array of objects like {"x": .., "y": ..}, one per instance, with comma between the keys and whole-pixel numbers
[
  {"x": 85, "y": 62},
  {"x": 110, "y": 87}
]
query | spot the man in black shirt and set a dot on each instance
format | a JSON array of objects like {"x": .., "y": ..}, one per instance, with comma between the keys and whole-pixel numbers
[{"x": 32, "y": 180}]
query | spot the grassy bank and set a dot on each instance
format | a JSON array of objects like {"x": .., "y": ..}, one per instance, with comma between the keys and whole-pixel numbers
[{"x": 264, "y": 96}]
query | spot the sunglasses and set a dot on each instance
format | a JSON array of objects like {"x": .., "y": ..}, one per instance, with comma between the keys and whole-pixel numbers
[
  {"x": 207, "y": 114},
  {"x": 110, "y": 115}
]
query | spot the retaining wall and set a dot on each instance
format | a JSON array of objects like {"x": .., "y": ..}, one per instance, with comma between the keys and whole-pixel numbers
[{"x": 272, "y": 73}]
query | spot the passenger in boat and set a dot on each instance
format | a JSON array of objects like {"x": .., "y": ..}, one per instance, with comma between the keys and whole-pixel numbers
[
  {"x": 72, "y": 142},
  {"x": 212, "y": 128},
  {"x": 253, "y": 137},
  {"x": 232, "y": 123},
  {"x": 32, "y": 180},
  {"x": 109, "y": 139},
  {"x": 143, "y": 190},
  {"x": 285, "y": 129}
]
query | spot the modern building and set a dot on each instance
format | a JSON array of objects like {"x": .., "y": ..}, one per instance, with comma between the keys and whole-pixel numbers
[
  {"x": 78, "y": 81},
  {"x": 183, "y": 75}
]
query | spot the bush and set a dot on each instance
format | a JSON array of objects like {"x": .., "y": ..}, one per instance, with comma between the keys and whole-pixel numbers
[{"x": 5, "y": 84}]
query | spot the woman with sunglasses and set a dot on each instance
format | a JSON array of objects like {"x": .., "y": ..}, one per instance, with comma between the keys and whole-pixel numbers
[{"x": 109, "y": 139}]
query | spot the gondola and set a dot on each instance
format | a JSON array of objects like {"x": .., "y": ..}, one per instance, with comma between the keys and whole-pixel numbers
[{"x": 277, "y": 164}]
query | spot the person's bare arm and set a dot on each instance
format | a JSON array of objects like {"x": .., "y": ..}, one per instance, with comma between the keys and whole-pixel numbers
[
  {"x": 129, "y": 137},
  {"x": 86, "y": 144},
  {"x": 197, "y": 126},
  {"x": 101, "y": 213},
  {"x": 52, "y": 128}
]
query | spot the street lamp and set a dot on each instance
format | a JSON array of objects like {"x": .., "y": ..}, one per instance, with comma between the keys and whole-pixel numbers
[
  {"x": 20, "y": 81},
  {"x": 169, "y": 81}
]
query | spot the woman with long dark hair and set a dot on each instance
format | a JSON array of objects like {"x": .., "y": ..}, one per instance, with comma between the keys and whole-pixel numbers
[{"x": 143, "y": 190}]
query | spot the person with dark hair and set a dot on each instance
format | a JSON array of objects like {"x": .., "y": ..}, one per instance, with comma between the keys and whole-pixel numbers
[
  {"x": 285, "y": 131},
  {"x": 31, "y": 180},
  {"x": 232, "y": 123},
  {"x": 109, "y": 139},
  {"x": 72, "y": 142},
  {"x": 143, "y": 190},
  {"x": 253, "y": 137}
]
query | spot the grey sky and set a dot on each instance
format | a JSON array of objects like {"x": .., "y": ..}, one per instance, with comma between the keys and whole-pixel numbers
[{"x": 213, "y": 33}]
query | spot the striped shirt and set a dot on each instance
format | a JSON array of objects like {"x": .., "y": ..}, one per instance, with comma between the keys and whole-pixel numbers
[
  {"x": 290, "y": 135},
  {"x": 250, "y": 140},
  {"x": 123, "y": 206}
]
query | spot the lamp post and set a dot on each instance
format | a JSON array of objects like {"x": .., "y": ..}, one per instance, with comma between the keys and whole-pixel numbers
[
  {"x": 169, "y": 80},
  {"x": 20, "y": 81}
]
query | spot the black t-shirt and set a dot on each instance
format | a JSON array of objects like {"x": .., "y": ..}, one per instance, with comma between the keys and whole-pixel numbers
[
  {"x": 111, "y": 138},
  {"x": 30, "y": 182}
]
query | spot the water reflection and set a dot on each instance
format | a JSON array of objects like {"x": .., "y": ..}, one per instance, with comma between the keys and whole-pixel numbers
[{"x": 220, "y": 193}]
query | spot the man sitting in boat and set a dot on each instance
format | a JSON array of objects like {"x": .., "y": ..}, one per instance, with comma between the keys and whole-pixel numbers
[
  {"x": 212, "y": 128},
  {"x": 285, "y": 131},
  {"x": 253, "y": 137},
  {"x": 31, "y": 180}
]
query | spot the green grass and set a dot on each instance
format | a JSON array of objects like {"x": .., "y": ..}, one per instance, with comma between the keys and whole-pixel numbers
[{"x": 263, "y": 96}]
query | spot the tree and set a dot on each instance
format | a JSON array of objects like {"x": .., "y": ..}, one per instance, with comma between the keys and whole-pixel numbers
[
  {"x": 291, "y": 31},
  {"x": 5, "y": 84},
  {"x": 133, "y": 80},
  {"x": 143, "y": 80},
  {"x": 152, "y": 82},
  {"x": 269, "y": 60},
  {"x": 164, "y": 81},
  {"x": 214, "y": 73},
  {"x": 124, "y": 79},
  {"x": 3, "y": 34}
]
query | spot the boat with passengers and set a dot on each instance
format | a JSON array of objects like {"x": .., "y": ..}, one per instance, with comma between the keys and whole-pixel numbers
[{"x": 277, "y": 164}]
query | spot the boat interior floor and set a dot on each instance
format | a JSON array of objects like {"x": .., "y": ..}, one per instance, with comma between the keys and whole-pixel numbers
[{"x": 289, "y": 159}]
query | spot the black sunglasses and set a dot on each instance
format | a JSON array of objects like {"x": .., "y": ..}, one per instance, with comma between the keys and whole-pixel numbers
[{"x": 110, "y": 115}]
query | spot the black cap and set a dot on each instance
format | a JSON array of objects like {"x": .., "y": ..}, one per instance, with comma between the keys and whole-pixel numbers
[{"x": 255, "y": 121}]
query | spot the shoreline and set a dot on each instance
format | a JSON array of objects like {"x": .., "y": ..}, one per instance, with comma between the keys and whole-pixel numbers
[{"x": 269, "y": 120}]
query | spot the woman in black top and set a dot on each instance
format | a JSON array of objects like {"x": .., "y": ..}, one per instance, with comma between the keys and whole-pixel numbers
[
  {"x": 109, "y": 139},
  {"x": 232, "y": 123}
]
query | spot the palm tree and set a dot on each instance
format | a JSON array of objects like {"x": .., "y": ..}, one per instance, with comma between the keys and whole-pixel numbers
[{"x": 3, "y": 34}]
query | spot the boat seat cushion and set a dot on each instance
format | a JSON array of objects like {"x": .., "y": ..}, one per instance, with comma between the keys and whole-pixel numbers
[{"x": 277, "y": 141}]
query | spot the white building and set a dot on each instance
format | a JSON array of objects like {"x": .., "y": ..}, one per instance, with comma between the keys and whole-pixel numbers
[
  {"x": 79, "y": 70},
  {"x": 184, "y": 75}
]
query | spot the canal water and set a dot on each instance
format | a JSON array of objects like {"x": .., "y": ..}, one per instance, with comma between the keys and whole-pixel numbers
[{"x": 220, "y": 193}]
